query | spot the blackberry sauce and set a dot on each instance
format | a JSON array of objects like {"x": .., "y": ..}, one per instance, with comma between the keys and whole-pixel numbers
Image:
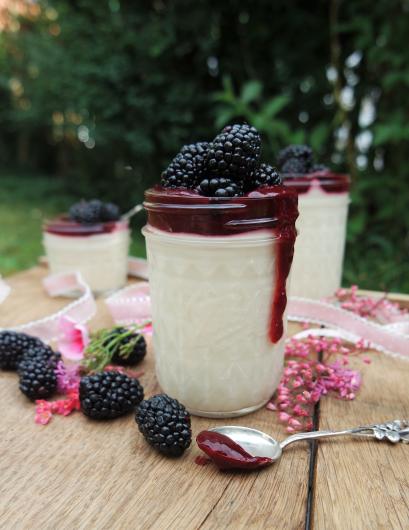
[
  {"x": 63, "y": 226},
  {"x": 329, "y": 182},
  {"x": 227, "y": 454}
]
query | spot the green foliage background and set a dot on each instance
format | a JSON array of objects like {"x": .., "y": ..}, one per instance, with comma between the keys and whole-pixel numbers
[{"x": 101, "y": 95}]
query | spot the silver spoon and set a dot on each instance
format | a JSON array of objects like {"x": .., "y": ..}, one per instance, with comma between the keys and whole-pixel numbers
[
  {"x": 133, "y": 211},
  {"x": 260, "y": 444}
]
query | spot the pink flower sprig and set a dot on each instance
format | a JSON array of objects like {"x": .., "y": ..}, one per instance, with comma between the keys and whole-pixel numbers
[
  {"x": 381, "y": 310},
  {"x": 45, "y": 409},
  {"x": 68, "y": 380},
  {"x": 306, "y": 380}
]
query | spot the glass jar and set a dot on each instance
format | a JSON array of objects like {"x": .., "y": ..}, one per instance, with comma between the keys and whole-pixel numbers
[
  {"x": 218, "y": 270},
  {"x": 99, "y": 252},
  {"x": 323, "y": 200}
]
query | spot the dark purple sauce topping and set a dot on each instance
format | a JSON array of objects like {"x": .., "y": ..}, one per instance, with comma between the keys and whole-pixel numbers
[
  {"x": 329, "y": 182},
  {"x": 185, "y": 211},
  {"x": 63, "y": 226},
  {"x": 227, "y": 454},
  {"x": 273, "y": 208}
]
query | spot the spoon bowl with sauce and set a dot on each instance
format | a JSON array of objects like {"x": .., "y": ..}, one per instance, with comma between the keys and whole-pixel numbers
[{"x": 236, "y": 447}]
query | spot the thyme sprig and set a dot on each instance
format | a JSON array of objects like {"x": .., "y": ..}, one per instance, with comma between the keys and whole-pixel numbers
[{"x": 105, "y": 343}]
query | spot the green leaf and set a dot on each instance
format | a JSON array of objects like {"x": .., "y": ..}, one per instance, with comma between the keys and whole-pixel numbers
[
  {"x": 319, "y": 135},
  {"x": 393, "y": 133},
  {"x": 275, "y": 105},
  {"x": 251, "y": 91},
  {"x": 298, "y": 137},
  {"x": 224, "y": 117}
]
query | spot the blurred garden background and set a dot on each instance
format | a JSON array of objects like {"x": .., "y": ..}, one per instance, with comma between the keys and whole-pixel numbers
[{"x": 97, "y": 97}]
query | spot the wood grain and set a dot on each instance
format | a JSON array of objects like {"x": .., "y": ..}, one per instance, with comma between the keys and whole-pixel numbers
[
  {"x": 78, "y": 474},
  {"x": 364, "y": 484}
]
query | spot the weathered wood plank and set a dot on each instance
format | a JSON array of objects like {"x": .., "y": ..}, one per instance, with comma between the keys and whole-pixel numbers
[
  {"x": 364, "y": 484},
  {"x": 76, "y": 473}
]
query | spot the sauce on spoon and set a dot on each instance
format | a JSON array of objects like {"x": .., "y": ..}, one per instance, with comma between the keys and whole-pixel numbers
[{"x": 227, "y": 454}]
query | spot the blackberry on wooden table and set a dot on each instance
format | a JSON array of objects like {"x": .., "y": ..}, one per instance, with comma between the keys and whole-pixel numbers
[
  {"x": 165, "y": 424},
  {"x": 14, "y": 345},
  {"x": 108, "y": 395},
  {"x": 37, "y": 378}
]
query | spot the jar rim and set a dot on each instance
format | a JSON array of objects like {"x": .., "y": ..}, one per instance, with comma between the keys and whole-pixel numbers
[
  {"x": 183, "y": 211},
  {"x": 65, "y": 227},
  {"x": 327, "y": 180}
]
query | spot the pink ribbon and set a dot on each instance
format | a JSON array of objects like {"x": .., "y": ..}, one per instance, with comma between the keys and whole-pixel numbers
[
  {"x": 80, "y": 310},
  {"x": 131, "y": 304},
  {"x": 392, "y": 339}
]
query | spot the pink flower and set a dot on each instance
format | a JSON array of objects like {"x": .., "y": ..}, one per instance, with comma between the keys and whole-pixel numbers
[
  {"x": 66, "y": 406},
  {"x": 271, "y": 406},
  {"x": 45, "y": 409},
  {"x": 73, "y": 340},
  {"x": 68, "y": 378},
  {"x": 147, "y": 329},
  {"x": 306, "y": 380},
  {"x": 292, "y": 422},
  {"x": 43, "y": 412},
  {"x": 380, "y": 310}
]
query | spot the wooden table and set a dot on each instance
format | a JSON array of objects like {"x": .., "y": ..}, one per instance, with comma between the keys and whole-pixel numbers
[{"x": 75, "y": 473}]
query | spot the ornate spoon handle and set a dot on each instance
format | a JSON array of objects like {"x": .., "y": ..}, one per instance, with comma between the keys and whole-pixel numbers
[
  {"x": 133, "y": 211},
  {"x": 393, "y": 431}
]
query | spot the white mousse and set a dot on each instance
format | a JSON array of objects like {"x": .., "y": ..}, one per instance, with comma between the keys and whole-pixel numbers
[
  {"x": 319, "y": 248},
  {"x": 102, "y": 259},
  {"x": 211, "y": 308}
]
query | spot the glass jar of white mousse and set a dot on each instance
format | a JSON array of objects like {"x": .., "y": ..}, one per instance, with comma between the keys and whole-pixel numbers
[
  {"x": 323, "y": 200},
  {"x": 98, "y": 251},
  {"x": 218, "y": 270}
]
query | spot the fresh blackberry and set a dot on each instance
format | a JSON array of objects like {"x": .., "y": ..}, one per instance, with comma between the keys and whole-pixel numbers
[
  {"x": 294, "y": 166},
  {"x": 165, "y": 424},
  {"x": 110, "y": 212},
  {"x": 318, "y": 167},
  {"x": 187, "y": 168},
  {"x": 295, "y": 159},
  {"x": 38, "y": 379},
  {"x": 234, "y": 153},
  {"x": 220, "y": 187},
  {"x": 130, "y": 349},
  {"x": 86, "y": 212},
  {"x": 42, "y": 352},
  {"x": 107, "y": 395},
  {"x": 266, "y": 175},
  {"x": 77, "y": 211},
  {"x": 14, "y": 345}
]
